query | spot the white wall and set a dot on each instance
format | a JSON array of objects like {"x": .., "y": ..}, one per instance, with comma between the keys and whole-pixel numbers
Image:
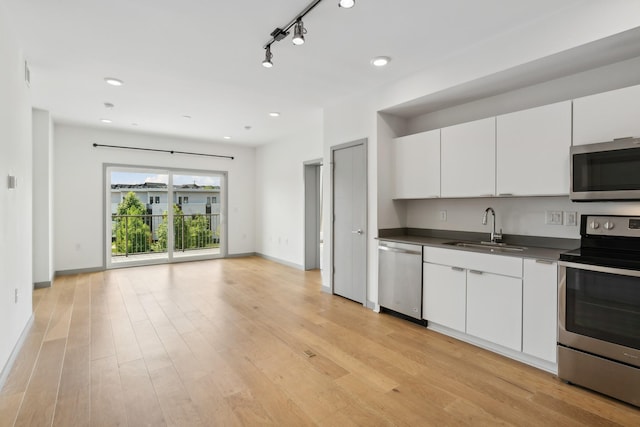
[
  {"x": 356, "y": 117},
  {"x": 43, "y": 265},
  {"x": 280, "y": 194},
  {"x": 79, "y": 187},
  {"x": 15, "y": 204}
]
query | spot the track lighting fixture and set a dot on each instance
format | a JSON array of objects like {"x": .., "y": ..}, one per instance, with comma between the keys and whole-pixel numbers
[
  {"x": 298, "y": 29},
  {"x": 267, "y": 57},
  {"x": 298, "y": 33}
]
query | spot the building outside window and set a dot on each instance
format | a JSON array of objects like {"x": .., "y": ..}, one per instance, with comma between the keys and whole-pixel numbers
[
  {"x": 157, "y": 199},
  {"x": 186, "y": 199}
]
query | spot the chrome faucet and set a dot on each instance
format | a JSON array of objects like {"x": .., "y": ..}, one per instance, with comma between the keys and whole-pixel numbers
[{"x": 495, "y": 237}]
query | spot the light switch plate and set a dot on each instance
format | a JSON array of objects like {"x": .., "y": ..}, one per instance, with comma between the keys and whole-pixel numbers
[
  {"x": 553, "y": 218},
  {"x": 570, "y": 218}
]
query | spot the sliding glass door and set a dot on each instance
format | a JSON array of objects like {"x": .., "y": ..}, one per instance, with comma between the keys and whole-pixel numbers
[{"x": 157, "y": 216}]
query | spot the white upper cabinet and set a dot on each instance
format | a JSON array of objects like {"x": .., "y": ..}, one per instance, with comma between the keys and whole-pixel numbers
[
  {"x": 469, "y": 159},
  {"x": 532, "y": 148},
  {"x": 606, "y": 116},
  {"x": 417, "y": 165}
]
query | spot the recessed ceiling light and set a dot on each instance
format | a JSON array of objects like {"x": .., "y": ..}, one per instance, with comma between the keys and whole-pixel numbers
[
  {"x": 274, "y": 114},
  {"x": 186, "y": 117},
  {"x": 105, "y": 121},
  {"x": 113, "y": 81},
  {"x": 108, "y": 105},
  {"x": 347, "y": 4},
  {"x": 134, "y": 124},
  {"x": 247, "y": 127},
  {"x": 380, "y": 61},
  {"x": 226, "y": 137}
]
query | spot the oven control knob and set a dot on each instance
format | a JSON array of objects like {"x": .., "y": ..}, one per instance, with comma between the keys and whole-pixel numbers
[
  {"x": 594, "y": 225},
  {"x": 609, "y": 225}
]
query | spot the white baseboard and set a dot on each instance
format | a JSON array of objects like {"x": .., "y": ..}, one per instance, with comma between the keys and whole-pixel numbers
[{"x": 14, "y": 354}]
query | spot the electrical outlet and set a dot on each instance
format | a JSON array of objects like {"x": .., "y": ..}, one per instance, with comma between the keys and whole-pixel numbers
[
  {"x": 443, "y": 215},
  {"x": 571, "y": 218},
  {"x": 553, "y": 218}
]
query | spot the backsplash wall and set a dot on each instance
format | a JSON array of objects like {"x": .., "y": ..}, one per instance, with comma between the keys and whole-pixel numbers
[{"x": 515, "y": 215}]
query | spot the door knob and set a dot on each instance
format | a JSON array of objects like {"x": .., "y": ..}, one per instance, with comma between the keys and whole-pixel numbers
[{"x": 358, "y": 231}]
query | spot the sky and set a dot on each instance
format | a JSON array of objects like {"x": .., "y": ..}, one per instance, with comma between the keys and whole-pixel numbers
[{"x": 141, "y": 178}]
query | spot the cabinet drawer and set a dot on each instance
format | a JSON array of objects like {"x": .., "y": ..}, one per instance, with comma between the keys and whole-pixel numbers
[{"x": 488, "y": 263}]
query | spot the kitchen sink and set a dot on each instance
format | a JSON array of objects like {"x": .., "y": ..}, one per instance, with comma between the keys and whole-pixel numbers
[{"x": 488, "y": 246}]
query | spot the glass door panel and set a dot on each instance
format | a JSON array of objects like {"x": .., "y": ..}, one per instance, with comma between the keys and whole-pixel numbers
[
  {"x": 138, "y": 203},
  {"x": 197, "y": 217}
]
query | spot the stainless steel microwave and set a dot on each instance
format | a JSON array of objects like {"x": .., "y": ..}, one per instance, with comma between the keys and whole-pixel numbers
[{"x": 606, "y": 171}]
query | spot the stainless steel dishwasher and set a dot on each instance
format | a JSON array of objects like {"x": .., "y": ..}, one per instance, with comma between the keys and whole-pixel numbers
[{"x": 400, "y": 278}]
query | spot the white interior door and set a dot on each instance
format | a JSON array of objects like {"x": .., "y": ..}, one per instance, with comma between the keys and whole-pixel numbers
[{"x": 350, "y": 221}]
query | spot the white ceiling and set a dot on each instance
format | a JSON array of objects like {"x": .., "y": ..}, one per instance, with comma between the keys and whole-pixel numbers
[{"x": 202, "y": 58}]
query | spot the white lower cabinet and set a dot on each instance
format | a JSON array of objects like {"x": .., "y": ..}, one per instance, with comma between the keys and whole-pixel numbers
[
  {"x": 540, "y": 309},
  {"x": 494, "y": 308},
  {"x": 444, "y": 295},
  {"x": 496, "y": 301}
]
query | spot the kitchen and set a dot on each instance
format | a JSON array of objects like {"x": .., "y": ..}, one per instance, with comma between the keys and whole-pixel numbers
[{"x": 506, "y": 291}]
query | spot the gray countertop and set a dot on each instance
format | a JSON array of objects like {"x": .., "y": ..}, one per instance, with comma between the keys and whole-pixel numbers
[{"x": 535, "y": 247}]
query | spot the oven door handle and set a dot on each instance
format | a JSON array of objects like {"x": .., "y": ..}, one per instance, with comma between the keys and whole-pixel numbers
[
  {"x": 600, "y": 268},
  {"x": 562, "y": 298}
]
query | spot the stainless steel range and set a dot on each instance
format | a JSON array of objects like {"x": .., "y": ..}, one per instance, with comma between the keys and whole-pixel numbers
[{"x": 599, "y": 308}]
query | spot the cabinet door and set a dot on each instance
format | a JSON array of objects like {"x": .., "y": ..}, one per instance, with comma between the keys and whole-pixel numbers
[
  {"x": 539, "y": 309},
  {"x": 494, "y": 308},
  {"x": 444, "y": 295},
  {"x": 417, "y": 165},
  {"x": 606, "y": 116},
  {"x": 532, "y": 150},
  {"x": 469, "y": 159}
]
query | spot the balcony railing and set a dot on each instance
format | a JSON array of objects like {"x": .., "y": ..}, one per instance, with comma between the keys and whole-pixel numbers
[{"x": 144, "y": 234}]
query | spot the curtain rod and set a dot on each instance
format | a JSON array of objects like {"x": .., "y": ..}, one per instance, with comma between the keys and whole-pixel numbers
[{"x": 163, "y": 151}]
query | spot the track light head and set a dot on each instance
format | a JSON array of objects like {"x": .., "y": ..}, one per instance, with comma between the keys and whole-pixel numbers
[
  {"x": 347, "y": 4},
  {"x": 298, "y": 32},
  {"x": 267, "y": 57}
]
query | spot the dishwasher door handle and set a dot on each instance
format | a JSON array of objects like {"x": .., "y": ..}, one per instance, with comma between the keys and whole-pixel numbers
[{"x": 402, "y": 251}]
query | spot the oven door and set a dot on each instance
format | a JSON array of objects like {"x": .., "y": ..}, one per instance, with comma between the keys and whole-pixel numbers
[{"x": 599, "y": 311}]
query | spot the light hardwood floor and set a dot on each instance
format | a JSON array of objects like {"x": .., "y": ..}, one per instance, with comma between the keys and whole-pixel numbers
[{"x": 248, "y": 341}]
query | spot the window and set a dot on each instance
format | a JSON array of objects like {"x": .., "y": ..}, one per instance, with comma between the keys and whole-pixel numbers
[
  {"x": 208, "y": 200},
  {"x": 214, "y": 199},
  {"x": 157, "y": 199},
  {"x": 150, "y": 200},
  {"x": 179, "y": 200},
  {"x": 186, "y": 199}
]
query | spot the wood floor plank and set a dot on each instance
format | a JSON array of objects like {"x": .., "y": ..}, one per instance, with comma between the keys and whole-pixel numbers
[
  {"x": 107, "y": 395},
  {"x": 176, "y": 404},
  {"x": 40, "y": 397},
  {"x": 73, "y": 405},
  {"x": 247, "y": 341},
  {"x": 9, "y": 405},
  {"x": 140, "y": 400}
]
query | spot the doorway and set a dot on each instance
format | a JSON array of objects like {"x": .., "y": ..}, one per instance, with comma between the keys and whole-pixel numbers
[
  {"x": 350, "y": 220},
  {"x": 313, "y": 214},
  {"x": 157, "y": 216}
]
